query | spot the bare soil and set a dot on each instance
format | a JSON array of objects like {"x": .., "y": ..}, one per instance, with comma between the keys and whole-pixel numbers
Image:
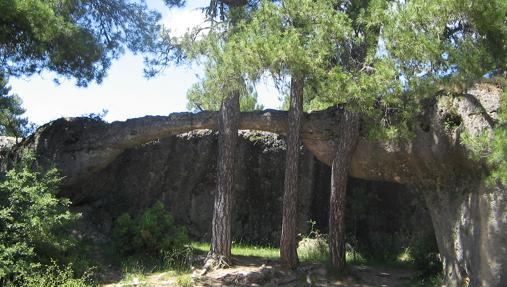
[{"x": 255, "y": 271}]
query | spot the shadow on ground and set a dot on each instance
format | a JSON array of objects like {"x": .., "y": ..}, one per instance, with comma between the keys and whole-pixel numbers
[{"x": 256, "y": 271}]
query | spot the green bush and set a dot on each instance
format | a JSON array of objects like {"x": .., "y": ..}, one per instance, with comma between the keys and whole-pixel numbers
[
  {"x": 55, "y": 276},
  {"x": 153, "y": 233},
  {"x": 313, "y": 249},
  {"x": 314, "y": 246},
  {"x": 34, "y": 222},
  {"x": 125, "y": 235},
  {"x": 425, "y": 254},
  {"x": 178, "y": 258}
]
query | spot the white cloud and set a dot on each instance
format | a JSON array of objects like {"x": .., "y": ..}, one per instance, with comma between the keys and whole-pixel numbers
[{"x": 180, "y": 21}]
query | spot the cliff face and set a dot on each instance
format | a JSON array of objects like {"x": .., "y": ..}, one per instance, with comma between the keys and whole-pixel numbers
[{"x": 180, "y": 171}]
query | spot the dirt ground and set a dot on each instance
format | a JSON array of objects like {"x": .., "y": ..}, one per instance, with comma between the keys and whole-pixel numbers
[{"x": 254, "y": 271}]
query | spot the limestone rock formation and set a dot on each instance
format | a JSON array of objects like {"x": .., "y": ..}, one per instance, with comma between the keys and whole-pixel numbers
[
  {"x": 469, "y": 217},
  {"x": 181, "y": 172}
]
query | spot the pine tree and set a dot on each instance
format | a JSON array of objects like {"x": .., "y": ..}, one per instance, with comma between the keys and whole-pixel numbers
[
  {"x": 377, "y": 59},
  {"x": 12, "y": 122}
]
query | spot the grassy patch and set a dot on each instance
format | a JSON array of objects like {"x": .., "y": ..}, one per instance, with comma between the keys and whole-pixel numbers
[
  {"x": 244, "y": 250},
  {"x": 258, "y": 251},
  {"x": 134, "y": 272},
  {"x": 274, "y": 253},
  {"x": 201, "y": 246},
  {"x": 184, "y": 280},
  {"x": 405, "y": 256},
  {"x": 145, "y": 273},
  {"x": 147, "y": 270}
]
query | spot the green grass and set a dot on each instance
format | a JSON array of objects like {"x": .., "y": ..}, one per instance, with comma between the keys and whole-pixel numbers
[
  {"x": 244, "y": 250},
  {"x": 350, "y": 257},
  {"x": 200, "y": 246},
  {"x": 183, "y": 277},
  {"x": 184, "y": 280},
  {"x": 142, "y": 268},
  {"x": 134, "y": 269},
  {"x": 353, "y": 258},
  {"x": 274, "y": 253},
  {"x": 139, "y": 274},
  {"x": 258, "y": 251}
]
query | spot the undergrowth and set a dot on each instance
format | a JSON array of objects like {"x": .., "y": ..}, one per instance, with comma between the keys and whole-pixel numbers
[{"x": 37, "y": 245}]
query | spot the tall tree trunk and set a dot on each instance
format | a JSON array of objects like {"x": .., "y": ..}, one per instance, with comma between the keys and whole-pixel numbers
[
  {"x": 288, "y": 244},
  {"x": 346, "y": 142},
  {"x": 228, "y": 123}
]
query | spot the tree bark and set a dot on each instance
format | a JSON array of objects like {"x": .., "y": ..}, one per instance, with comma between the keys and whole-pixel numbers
[
  {"x": 228, "y": 123},
  {"x": 346, "y": 142},
  {"x": 288, "y": 244}
]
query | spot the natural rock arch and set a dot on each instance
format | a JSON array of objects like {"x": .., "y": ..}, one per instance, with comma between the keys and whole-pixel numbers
[{"x": 469, "y": 217}]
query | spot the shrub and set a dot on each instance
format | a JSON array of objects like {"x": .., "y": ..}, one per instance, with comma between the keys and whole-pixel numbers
[
  {"x": 153, "y": 233},
  {"x": 424, "y": 251},
  {"x": 55, "y": 276},
  {"x": 314, "y": 246},
  {"x": 313, "y": 249},
  {"x": 34, "y": 222},
  {"x": 178, "y": 258},
  {"x": 125, "y": 235}
]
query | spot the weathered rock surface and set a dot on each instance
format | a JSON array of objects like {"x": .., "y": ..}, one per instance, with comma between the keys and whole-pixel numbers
[
  {"x": 469, "y": 218},
  {"x": 181, "y": 170}
]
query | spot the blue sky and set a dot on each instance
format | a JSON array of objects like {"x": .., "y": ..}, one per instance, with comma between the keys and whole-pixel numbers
[{"x": 125, "y": 93}]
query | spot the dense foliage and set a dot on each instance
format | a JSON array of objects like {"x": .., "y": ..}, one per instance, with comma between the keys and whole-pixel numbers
[
  {"x": 499, "y": 145},
  {"x": 153, "y": 233},
  {"x": 73, "y": 38},
  {"x": 200, "y": 97},
  {"x": 12, "y": 122},
  {"x": 380, "y": 57},
  {"x": 34, "y": 222},
  {"x": 55, "y": 276}
]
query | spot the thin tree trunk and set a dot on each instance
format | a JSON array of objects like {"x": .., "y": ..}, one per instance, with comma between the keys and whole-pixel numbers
[
  {"x": 228, "y": 123},
  {"x": 346, "y": 142},
  {"x": 288, "y": 244}
]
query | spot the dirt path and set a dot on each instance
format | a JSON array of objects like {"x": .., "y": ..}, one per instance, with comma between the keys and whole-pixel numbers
[
  {"x": 258, "y": 272},
  {"x": 378, "y": 276},
  {"x": 254, "y": 271}
]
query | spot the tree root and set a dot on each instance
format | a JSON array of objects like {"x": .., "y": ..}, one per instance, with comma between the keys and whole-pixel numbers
[{"x": 215, "y": 261}]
